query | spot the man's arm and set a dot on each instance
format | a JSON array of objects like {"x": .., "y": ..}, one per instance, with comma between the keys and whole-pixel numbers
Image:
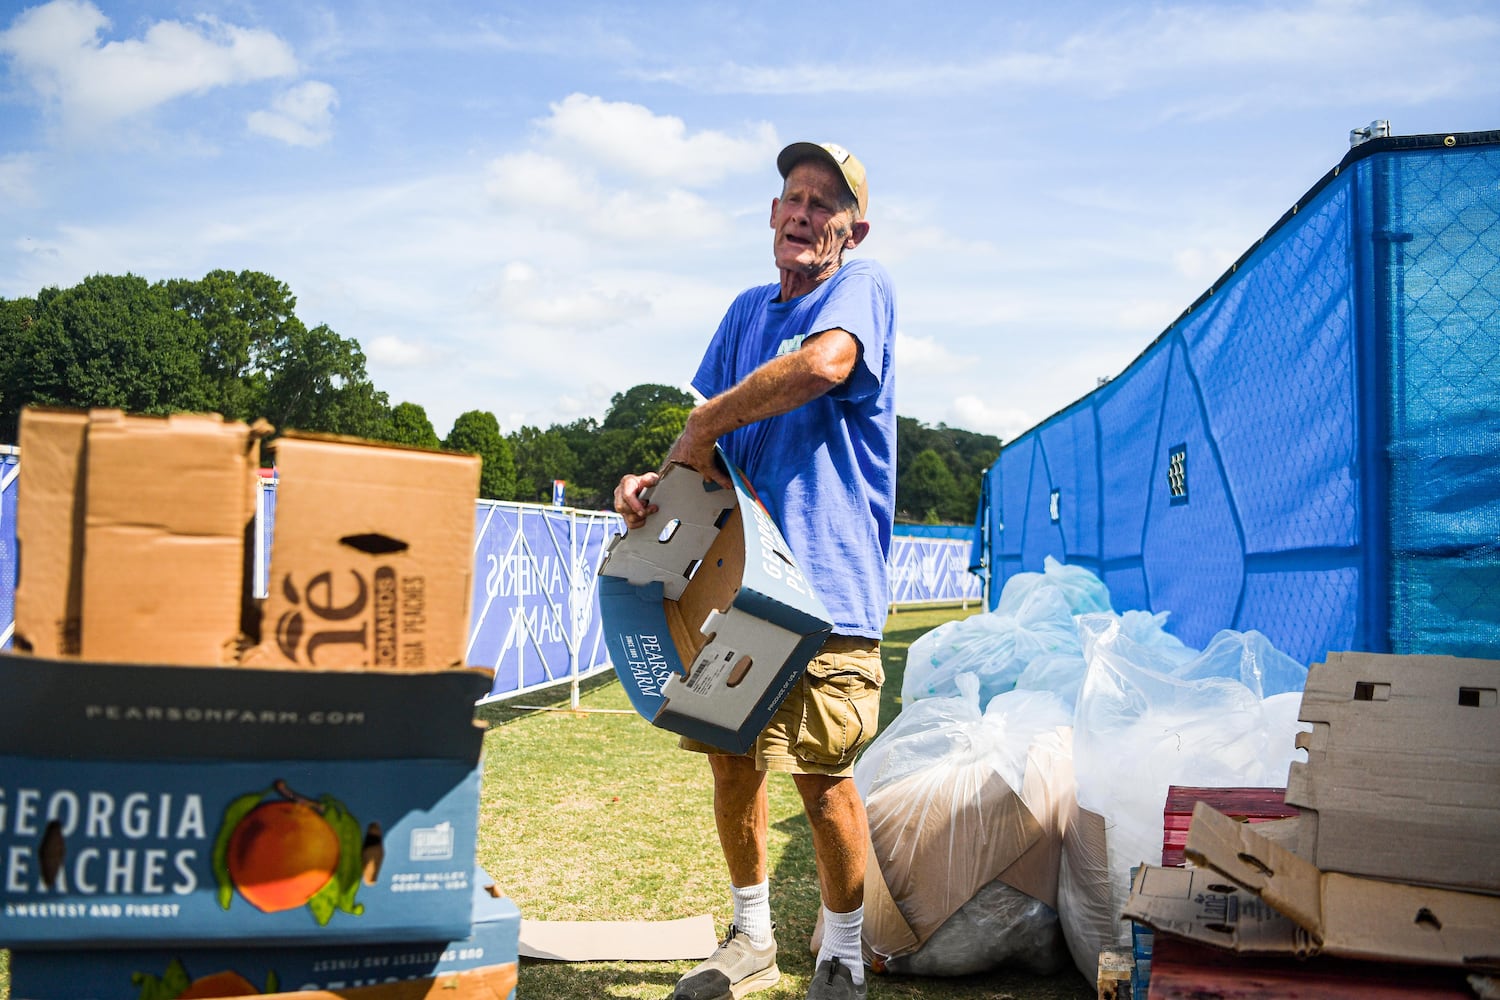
[{"x": 779, "y": 386}]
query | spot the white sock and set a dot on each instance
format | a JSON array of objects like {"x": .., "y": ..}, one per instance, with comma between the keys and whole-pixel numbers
[
  {"x": 752, "y": 912},
  {"x": 841, "y": 933}
]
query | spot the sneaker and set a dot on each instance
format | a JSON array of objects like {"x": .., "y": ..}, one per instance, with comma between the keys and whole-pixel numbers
[
  {"x": 735, "y": 969},
  {"x": 834, "y": 981}
]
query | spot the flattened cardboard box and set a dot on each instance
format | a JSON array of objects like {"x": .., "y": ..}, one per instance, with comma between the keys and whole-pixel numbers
[
  {"x": 707, "y": 617},
  {"x": 168, "y": 805},
  {"x": 133, "y": 536},
  {"x": 1252, "y": 895},
  {"x": 126, "y": 974},
  {"x": 1402, "y": 778},
  {"x": 371, "y": 559}
]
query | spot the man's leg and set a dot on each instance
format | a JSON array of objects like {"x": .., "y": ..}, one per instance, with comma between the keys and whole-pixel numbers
[
  {"x": 741, "y": 814},
  {"x": 841, "y": 833},
  {"x": 746, "y": 960}
]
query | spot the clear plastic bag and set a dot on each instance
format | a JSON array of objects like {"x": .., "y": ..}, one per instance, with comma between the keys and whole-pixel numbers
[
  {"x": 992, "y": 647},
  {"x": 1080, "y": 589},
  {"x": 943, "y": 788},
  {"x": 999, "y": 926},
  {"x": 1153, "y": 714}
]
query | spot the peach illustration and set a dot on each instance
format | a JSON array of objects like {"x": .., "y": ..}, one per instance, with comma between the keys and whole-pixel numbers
[
  {"x": 282, "y": 853},
  {"x": 220, "y": 984}
]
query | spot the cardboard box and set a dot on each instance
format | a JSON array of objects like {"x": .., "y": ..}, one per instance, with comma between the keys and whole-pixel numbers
[
  {"x": 1402, "y": 778},
  {"x": 49, "y": 532},
  {"x": 372, "y": 557},
  {"x": 120, "y": 974},
  {"x": 168, "y": 510},
  {"x": 1254, "y": 896},
  {"x": 707, "y": 617},
  {"x": 133, "y": 536},
  {"x": 171, "y": 806}
]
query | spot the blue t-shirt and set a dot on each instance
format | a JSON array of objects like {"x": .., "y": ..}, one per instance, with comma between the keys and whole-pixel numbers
[{"x": 826, "y": 471}]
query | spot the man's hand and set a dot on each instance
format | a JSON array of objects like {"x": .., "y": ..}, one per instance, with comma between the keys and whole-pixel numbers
[
  {"x": 628, "y": 502},
  {"x": 695, "y": 449}
]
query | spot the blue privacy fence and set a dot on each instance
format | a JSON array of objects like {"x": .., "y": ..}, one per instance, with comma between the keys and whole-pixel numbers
[
  {"x": 535, "y": 610},
  {"x": 1312, "y": 449}
]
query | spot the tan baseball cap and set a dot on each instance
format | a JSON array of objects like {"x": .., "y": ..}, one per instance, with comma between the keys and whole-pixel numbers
[{"x": 835, "y": 156}]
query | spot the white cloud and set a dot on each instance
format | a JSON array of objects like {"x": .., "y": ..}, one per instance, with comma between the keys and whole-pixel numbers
[
  {"x": 300, "y": 116},
  {"x": 1205, "y": 264},
  {"x": 56, "y": 50},
  {"x": 397, "y": 351},
  {"x": 620, "y": 177},
  {"x": 16, "y": 173},
  {"x": 975, "y": 414},
  {"x": 1238, "y": 57},
  {"x": 526, "y": 296},
  {"x": 926, "y": 356},
  {"x": 542, "y": 183},
  {"x": 659, "y": 147}
]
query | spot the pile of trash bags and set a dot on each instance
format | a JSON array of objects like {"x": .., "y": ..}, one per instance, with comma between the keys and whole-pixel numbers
[{"x": 1027, "y": 772}]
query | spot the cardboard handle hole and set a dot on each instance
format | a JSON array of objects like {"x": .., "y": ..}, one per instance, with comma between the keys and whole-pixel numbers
[
  {"x": 1477, "y": 697},
  {"x": 1371, "y": 691},
  {"x": 668, "y": 530},
  {"x": 371, "y": 854},
  {"x": 1251, "y": 861},
  {"x": 51, "y": 852},
  {"x": 374, "y": 544},
  {"x": 738, "y": 673},
  {"x": 1426, "y": 918},
  {"x": 1224, "y": 888}
]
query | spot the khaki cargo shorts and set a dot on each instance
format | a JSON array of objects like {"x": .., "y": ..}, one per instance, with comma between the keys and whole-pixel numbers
[{"x": 829, "y": 716}]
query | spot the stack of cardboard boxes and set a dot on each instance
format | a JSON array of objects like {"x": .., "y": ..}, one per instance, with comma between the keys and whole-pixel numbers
[
  {"x": 203, "y": 794},
  {"x": 1395, "y": 855}
]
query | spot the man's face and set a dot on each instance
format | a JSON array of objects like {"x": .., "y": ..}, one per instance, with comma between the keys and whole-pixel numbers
[{"x": 811, "y": 230}]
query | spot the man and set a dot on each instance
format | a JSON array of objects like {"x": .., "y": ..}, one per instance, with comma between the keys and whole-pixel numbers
[{"x": 799, "y": 390}]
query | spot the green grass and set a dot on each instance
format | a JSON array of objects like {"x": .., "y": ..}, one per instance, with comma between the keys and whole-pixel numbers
[{"x": 596, "y": 815}]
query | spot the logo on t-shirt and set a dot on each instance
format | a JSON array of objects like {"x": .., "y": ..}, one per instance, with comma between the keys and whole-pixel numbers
[{"x": 790, "y": 344}]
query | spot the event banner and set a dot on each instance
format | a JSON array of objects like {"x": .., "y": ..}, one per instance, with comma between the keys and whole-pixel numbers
[
  {"x": 934, "y": 570},
  {"x": 535, "y": 612}
]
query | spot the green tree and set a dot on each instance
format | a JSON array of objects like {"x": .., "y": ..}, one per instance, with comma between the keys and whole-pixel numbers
[
  {"x": 477, "y": 432},
  {"x": 317, "y": 382},
  {"x": 965, "y": 453},
  {"x": 244, "y": 317},
  {"x": 541, "y": 457},
  {"x": 581, "y": 437},
  {"x": 16, "y": 319},
  {"x": 108, "y": 341},
  {"x": 656, "y": 438},
  {"x": 636, "y": 407},
  {"x": 927, "y": 488},
  {"x": 409, "y": 425},
  {"x": 634, "y": 436}
]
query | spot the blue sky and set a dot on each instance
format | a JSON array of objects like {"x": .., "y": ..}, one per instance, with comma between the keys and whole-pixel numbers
[{"x": 526, "y": 208}]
